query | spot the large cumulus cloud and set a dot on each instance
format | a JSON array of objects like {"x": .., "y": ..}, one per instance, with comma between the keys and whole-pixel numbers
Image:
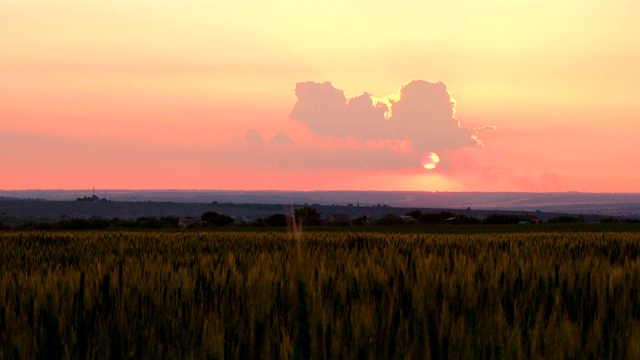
[{"x": 422, "y": 113}]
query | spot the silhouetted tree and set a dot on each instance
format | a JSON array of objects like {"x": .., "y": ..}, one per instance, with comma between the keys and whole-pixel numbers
[
  {"x": 564, "y": 219},
  {"x": 308, "y": 216},
  {"x": 390, "y": 219},
  {"x": 362, "y": 220},
  {"x": 169, "y": 222},
  {"x": 464, "y": 220},
  {"x": 147, "y": 222},
  {"x": 82, "y": 224},
  {"x": 216, "y": 219},
  {"x": 277, "y": 220},
  {"x": 497, "y": 219},
  {"x": 416, "y": 214},
  {"x": 436, "y": 218},
  {"x": 609, "y": 220}
]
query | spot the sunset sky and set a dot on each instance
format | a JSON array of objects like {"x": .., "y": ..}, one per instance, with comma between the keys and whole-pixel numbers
[{"x": 518, "y": 95}]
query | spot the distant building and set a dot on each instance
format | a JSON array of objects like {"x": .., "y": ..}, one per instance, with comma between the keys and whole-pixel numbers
[
  {"x": 590, "y": 219},
  {"x": 534, "y": 219},
  {"x": 93, "y": 198},
  {"x": 185, "y": 223}
]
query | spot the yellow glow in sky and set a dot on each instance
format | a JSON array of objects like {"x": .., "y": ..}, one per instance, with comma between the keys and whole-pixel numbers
[{"x": 558, "y": 79}]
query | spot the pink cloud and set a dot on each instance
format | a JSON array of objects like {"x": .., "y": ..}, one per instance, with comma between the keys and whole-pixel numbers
[{"x": 422, "y": 114}]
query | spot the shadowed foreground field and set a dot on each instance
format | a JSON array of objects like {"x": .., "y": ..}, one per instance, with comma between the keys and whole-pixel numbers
[{"x": 319, "y": 295}]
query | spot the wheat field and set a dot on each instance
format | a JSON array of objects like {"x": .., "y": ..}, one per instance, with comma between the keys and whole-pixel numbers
[{"x": 319, "y": 295}]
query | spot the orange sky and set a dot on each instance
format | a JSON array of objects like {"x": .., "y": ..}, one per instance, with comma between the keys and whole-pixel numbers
[{"x": 200, "y": 95}]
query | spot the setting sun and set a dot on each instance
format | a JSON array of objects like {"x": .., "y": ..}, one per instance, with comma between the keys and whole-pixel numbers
[{"x": 430, "y": 160}]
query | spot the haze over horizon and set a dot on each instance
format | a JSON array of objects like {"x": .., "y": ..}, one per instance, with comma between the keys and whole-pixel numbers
[{"x": 499, "y": 96}]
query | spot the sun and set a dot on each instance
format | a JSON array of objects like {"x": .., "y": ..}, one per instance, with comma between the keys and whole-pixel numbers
[{"x": 430, "y": 160}]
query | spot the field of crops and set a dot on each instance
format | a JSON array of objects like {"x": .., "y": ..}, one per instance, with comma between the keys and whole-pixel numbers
[{"x": 320, "y": 295}]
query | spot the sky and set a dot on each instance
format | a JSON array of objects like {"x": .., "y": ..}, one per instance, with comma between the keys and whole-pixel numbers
[{"x": 458, "y": 95}]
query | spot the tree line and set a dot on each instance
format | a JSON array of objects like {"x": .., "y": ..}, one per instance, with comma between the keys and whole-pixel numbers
[{"x": 305, "y": 216}]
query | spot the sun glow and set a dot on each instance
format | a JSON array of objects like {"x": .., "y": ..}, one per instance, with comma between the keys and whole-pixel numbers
[
  {"x": 430, "y": 160},
  {"x": 386, "y": 102}
]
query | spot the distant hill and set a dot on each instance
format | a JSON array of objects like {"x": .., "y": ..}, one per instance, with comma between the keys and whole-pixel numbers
[
  {"x": 605, "y": 204},
  {"x": 22, "y": 211}
]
